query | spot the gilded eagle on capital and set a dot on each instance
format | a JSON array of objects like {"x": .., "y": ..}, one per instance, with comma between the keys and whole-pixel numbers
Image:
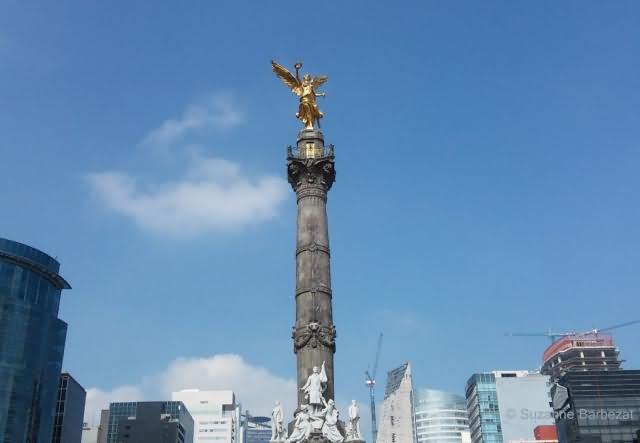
[{"x": 305, "y": 88}]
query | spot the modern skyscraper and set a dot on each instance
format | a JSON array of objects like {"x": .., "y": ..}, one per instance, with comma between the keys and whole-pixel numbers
[
  {"x": 32, "y": 340},
  {"x": 216, "y": 415},
  {"x": 150, "y": 422},
  {"x": 440, "y": 417},
  {"x": 506, "y": 406},
  {"x": 597, "y": 406},
  {"x": 69, "y": 416},
  {"x": 396, "y": 422},
  {"x": 583, "y": 352},
  {"x": 482, "y": 407},
  {"x": 256, "y": 429}
]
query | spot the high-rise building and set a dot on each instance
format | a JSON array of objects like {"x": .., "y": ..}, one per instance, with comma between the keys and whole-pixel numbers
[
  {"x": 396, "y": 423},
  {"x": 256, "y": 429},
  {"x": 506, "y": 406},
  {"x": 150, "y": 422},
  {"x": 68, "y": 423},
  {"x": 103, "y": 428},
  {"x": 482, "y": 408},
  {"x": 582, "y": 352},
  {"x": 597, "y": 406},
  {"x": 32, "y": 340},
  {"x": 440, "y": 417},
  {"x": 216, "y": 415}
]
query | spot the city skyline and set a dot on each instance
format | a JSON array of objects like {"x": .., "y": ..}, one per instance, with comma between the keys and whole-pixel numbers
[{"x": 486, "y": 182}]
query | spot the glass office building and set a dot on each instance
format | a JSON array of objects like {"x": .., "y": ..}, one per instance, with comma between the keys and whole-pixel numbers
[
  {"x": 440, "y": 417},
  {"x": 256, "y": 429},
  {"x": 507, "y": 406},
  {"x": 149, "y": 422},
  {"x": 597, "y": 406},
  {"x": 69, "y": 418},
  {"x": 482, "y": 407},
  {"x": 32, "y": 342}
]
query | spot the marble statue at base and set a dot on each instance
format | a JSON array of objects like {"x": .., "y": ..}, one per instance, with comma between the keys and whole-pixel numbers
[
  {"x": 278, "y": 432},
  {"x": 353, "y": 426},
  {"x": 330, "y": 427},
  {"x": 318, "y": 420},
  {"x": 302, "y": 427},
  {"x": 314, "y": 388}
]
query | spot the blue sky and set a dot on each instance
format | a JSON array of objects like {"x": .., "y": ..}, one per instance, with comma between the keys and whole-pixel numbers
[{"x": 487, "y": 158}]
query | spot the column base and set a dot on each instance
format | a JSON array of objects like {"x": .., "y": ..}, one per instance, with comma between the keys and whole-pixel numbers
[{"x": 317, "y": 437}]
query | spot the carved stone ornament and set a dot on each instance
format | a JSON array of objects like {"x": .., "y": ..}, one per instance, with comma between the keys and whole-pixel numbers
[{"x": 314, "y": 335}]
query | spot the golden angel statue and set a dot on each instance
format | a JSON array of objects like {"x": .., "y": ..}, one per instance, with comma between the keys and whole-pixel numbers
[{"x": 305, "y": 88}]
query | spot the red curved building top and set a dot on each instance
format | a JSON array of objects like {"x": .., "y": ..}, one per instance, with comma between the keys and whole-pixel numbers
[{"x": 577, "y": 341}]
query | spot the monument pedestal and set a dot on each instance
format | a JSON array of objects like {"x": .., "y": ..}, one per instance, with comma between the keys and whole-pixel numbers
[{"x": 317, "y": 437}]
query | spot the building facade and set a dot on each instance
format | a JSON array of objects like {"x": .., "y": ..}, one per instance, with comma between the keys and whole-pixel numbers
[
  {"x": 483, "y": 409},
  {"x": 440, "y": 417},
  {"x": 397, "y": 420},
  {"x": 507, "y": 406},
  {"x": 149, "y": 422},
  {"x": 216, "y": 415},
  {"x": 582, "y": 352},
  {"x": 256, "y": 429},
  {"x": 103, "y": 428},
  {"x": 32, "y": 340},
  {"x": 89, "y": 434},
  {"x": 597, "y": 406},
  {"x": 97, "y": 434},
  {"x": 69, "y": 418}
]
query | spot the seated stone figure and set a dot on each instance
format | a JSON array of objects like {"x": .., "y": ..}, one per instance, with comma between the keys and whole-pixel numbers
[
  {"x": 330, "y": 427},
  {"x": 302, "y": 426}
]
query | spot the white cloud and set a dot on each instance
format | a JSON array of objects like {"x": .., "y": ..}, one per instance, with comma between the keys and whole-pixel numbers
[
  {"x": 214, "y": 195},
  {"x": 217, "y": 111},
  {"x": 255, "y": 387}
]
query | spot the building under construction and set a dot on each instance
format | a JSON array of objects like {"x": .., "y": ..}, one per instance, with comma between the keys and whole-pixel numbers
[{"x": 580, "y": 352}]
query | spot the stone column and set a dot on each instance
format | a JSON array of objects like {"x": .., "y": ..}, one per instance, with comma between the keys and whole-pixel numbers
[{"x": 311, "y": 174}]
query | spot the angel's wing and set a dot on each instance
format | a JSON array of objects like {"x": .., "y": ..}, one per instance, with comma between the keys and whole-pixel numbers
[
  {"x": 319, "y": 81},
  {"x": 286, "y": 76}
]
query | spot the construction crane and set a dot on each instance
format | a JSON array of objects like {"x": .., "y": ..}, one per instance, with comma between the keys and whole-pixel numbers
[
  {"x": 556, "y": 335},
  {"x": 370, "y": 381},
  {"x": 551, "y": 335}
]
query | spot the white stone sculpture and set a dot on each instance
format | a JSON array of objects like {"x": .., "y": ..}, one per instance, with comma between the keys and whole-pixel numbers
[
  {"x": 330, "y": 427},
  {"x": 302, "y": 427},
  {"x": 353, "y": 427},
  {"x": 314, "y": 387},
  {"x": 278, "y": 432}
]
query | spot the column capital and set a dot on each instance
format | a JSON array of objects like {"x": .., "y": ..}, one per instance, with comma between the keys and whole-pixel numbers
[{"x": 308, "y": 174}]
